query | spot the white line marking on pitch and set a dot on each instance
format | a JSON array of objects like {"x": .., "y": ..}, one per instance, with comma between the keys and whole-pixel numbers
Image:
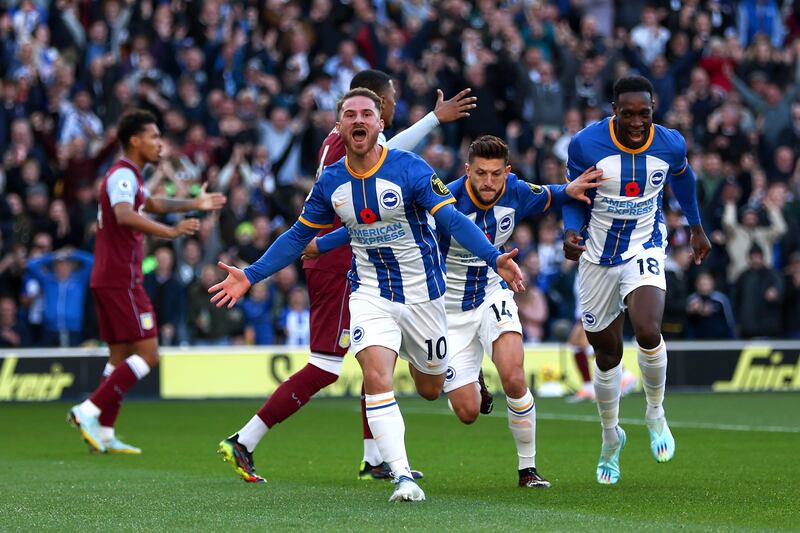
[{"x": 635, "y": 421}]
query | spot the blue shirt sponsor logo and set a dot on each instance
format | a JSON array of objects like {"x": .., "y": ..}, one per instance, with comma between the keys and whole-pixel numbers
[
  {"x": 377, "y": 235},
  {"x": 390, "y": 199}
]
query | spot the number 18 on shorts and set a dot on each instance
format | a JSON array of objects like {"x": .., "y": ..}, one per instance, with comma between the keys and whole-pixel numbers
[{"x": 603, "y": 289}]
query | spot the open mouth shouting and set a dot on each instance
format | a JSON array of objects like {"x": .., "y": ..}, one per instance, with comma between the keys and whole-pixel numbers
[{"x": 359, "y": 135}]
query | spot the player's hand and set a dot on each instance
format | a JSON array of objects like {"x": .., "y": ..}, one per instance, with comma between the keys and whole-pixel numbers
[
  {"x": 187, "y": 226},
  {"x": 700, "y": 244},
  {"x": 510, "y": 272},
  {"x": 210, "y": 201},
  {"x": 229, "y": 290},
  {"x": 455, "y": 108},
  {"x": 591, "y": 178},
  {"x": 573, "y": 245},
  {"x": 311, "y": 251}
]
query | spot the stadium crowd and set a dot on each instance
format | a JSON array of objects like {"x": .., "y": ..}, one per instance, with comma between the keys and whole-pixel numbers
[{"x": 246, "y": 91}]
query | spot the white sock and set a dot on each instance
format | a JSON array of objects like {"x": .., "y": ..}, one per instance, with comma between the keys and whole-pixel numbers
[
  {"x": 653, "y": 364},
  {"x": 252, "y": 433},
  {"x": 607, "y": 386},
  {"x": 388, "y": 429},
  {"x": 138, "y": 366},
  {"x": 106, "y": 433},
  {"x": 522, "y": 423},
  {"x": 372, "y": 454},
  {"x": 90, "y": 409}
]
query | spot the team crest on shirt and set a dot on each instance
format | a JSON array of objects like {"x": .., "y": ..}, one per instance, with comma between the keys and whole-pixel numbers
[
  {"x": 451, "y": 374},
  {"x": 656, "y": 178},
  {"x": 146, "y": 320},
  {"x": 438, "y": 186},
  {"x": 505, "y": 223},
  {"x": 589, "y": 319},
  {"x": 358, "y": 334},
  {"x": 536, "y": 189},
  {"x": 390, "y": 199},
  {"x": 344, "y": 338}
]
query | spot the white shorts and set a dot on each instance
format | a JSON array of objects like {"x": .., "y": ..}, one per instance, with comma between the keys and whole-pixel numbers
[
  {"x": 415, "y": 332},
  {"x": 602, "y": 289},
  {"x": 472, "y": 334}
]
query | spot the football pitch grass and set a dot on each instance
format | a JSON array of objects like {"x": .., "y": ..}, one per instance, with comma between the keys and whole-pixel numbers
[{"x": 736, "y": 468}]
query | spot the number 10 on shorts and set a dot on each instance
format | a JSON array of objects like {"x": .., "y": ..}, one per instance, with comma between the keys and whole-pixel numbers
[{"x": 439, "y": 348}]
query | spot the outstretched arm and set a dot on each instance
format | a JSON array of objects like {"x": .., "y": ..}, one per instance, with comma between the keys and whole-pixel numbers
[
  {"x": 204, "y": 201},
  {"x": 472, "y": 238},
  {"x": 684, "y": 187},
  {"x": 326, "y": 243},
  {"x": 445, "y": 111},
  {"x": 284, "y": 251},
  {"x": 333, "y": 240}
]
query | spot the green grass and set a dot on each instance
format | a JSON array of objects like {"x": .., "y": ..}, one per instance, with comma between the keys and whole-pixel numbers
[{"x": 739, "y": 478}]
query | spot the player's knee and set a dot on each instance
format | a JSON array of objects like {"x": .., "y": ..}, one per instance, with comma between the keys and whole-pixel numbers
[
  {"x": 648, "y": 337},
  {"x": 606, "y": 361},
  {"x": 429, "y": 392},
  {"x": 376, "y": 379},
  {"x": 514, "y": 386},
  {"x": 467, "y": 413},
  {"x": 151, "y": 359}
]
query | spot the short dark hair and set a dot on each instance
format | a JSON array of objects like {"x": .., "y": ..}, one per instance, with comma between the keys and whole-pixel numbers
[
  {"x": 632, "y": 84},
  {"x": 488, "y": 147},
  {"x": 132, "y": 123},
  {"x": 376, "y": 81},
  {"x": 361, "y": 91}
]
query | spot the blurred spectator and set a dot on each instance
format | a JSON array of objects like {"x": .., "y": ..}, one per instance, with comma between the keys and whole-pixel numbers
[
  {"x": 295, "y": 318},
  {"x": 257, "y": 310},
  {"x": 759, "y": 17},
  {"x": 759, "y": 298},
  {"x": 167, "y": 295},
  {"x": 709, "y": 313},
  {"x": 791, "y": 302},
  {"x": 532, "y": 304},
  {"x": 650, "y": 36},
  {"x": 676, "y": 266},
  {"x": 64, "y": 286},
  {"x": 741, "y": 236},
  {"x": 284, "y": 281},
  {"x": 209, "y": 324},
  {"x": 13, "y": 333}
]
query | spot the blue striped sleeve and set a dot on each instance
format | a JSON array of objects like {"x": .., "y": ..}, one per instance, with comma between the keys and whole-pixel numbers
[
  {"x": 283, "y": 252},
  {"x": 467, "y": 233},
  {"x": 684, "y": 187},
  {"x": 331, "y": 241}
]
